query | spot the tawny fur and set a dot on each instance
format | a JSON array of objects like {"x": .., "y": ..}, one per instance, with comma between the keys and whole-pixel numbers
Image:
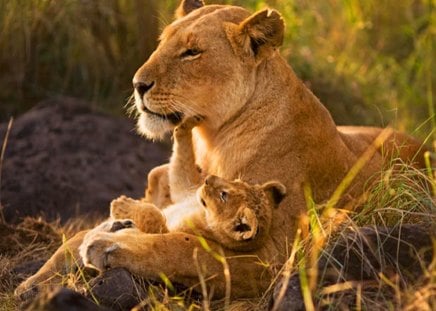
[
  {"x": 232, "y": 213},
  {"x": 184, "y": 175},
  {"x": 260, "y": 123},
  {"x": 158, "y": 189},
  {"x": 239, "y": 221},
  {"x": 145, "y": 216}
]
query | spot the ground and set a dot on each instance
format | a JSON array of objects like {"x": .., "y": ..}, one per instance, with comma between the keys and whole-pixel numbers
[{"x": 63, "y": 161}]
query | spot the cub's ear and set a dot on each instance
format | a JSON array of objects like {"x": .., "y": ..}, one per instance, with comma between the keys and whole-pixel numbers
[
  {"x": 247, "y": 224},
  {"x": 187, "y": 6},
  {"x": 275, "y": 191},
  {"x": 262, "y": 32}
]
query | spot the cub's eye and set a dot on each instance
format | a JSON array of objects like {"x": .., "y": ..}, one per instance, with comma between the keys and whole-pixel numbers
[
  {"x": 190, "y": 53},
  {"x": 224, "y": 196}
]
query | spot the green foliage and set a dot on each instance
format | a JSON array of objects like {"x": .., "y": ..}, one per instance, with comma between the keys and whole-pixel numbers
[
  {"x": 370, "y": 62},
  {"x": 88, "y": 49}
]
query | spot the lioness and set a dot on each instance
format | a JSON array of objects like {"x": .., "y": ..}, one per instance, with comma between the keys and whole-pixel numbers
[{"x": 260, "y": 122}]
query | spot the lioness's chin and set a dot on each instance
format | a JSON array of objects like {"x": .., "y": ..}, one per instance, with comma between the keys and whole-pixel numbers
[{"x": 153, "y": 127}]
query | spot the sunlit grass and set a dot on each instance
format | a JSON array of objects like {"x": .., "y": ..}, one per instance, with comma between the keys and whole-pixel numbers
[
  {"x": 370, "y": 62},
  {"x": 401, "y": 196}
]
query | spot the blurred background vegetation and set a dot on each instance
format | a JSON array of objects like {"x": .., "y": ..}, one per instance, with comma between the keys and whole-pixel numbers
[{"x": 370, "y": 62}]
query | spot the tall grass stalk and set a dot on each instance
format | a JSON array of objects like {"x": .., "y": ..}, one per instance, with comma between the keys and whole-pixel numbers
[
  {"x": 2, "y": 157},
  {"x": 73, "y": 263},
  {"x": 286, "y": 271}
]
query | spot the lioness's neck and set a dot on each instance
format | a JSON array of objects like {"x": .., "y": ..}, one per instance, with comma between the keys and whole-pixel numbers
[{"x": 280, "y": 106}]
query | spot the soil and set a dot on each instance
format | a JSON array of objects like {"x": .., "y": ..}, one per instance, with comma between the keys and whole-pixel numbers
[{"x": 64, "y": 160}]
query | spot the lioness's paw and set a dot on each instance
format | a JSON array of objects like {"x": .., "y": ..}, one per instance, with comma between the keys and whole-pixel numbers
[
  {"x": 99, "y": 252},
  {"x": 188, "y": 125}
]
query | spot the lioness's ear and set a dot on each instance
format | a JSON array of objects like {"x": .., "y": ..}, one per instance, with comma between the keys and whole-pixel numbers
[
  {"x": 187, "y": 6},
  {"x": 262, "y": 32},
  {"x": 275, "y": 191}
]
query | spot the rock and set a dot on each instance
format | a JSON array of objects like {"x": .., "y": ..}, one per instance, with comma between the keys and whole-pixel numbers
[
  {"x": 119, "y": 290},
  {"x": 63, "y": 299},
  {"x": 291, "y": 299},
  {"x": 64, "y": 159},
  {"x": 361, "y": 254},
  {"x": 116, "y": 288}
]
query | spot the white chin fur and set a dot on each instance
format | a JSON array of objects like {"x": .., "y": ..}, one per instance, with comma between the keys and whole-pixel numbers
[{"x": 153, "y": 127}]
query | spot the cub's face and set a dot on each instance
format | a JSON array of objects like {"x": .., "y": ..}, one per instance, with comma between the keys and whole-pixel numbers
[
  {"x": 225, "y": 205},
  {"x": 193, "y": 72},
  {"x": 238, "y": 209}
]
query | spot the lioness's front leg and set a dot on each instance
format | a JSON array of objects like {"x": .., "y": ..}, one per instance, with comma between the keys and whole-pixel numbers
[{"x": 180, "y": 257}]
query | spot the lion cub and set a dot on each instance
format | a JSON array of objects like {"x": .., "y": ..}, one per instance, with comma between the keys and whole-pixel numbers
[{"x": 233, "y": 213}]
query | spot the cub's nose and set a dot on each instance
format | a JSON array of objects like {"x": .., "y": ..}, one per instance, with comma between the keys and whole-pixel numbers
[{"x": 142, "y": 87}]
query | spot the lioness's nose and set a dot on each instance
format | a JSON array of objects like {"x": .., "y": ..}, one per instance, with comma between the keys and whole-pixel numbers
[{"x": 142, "y": 87}]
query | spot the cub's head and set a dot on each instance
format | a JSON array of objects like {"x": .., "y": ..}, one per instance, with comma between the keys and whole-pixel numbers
[
  {"x": 239, "y": 211},
  {"x": 205, "y": 65}
]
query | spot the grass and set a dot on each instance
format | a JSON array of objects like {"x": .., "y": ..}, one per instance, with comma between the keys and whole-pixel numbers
[
  {"x": 369, "y": 62},
  {"x": 2, "y": 155},
  {"x": 83, "y": 49},
  {"x": 391, "y": 203}
]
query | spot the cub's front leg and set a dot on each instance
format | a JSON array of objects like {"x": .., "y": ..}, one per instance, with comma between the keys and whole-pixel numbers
[
  {"x": 184, "y": 175},
  {"x": 158, "y": 187}
]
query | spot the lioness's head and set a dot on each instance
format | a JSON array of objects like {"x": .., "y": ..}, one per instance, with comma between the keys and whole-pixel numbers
[
  {"x": 239, "y": 210},
  {"x": 205, "y": 65}
]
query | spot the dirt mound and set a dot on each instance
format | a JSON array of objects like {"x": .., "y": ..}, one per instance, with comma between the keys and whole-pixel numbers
[{"x": 63, "y": 160}]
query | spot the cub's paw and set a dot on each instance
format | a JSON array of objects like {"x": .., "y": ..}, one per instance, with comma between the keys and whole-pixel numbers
[
  {"x": 118, "y": 225},
  {"x": 188, "y": 124},
  {"x": 123, "y": 207}
]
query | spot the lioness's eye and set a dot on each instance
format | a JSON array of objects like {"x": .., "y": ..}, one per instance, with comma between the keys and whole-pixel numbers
[
  {"x": 190, "y": 53},
  {"x": 223, "y": 196}
]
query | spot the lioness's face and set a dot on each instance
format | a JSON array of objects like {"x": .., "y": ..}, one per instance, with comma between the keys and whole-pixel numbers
[{"x": 195, "y": 71}]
